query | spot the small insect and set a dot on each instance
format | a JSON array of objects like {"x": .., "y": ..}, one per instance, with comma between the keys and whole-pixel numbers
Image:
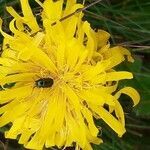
[{"x": 44, "y": 83}]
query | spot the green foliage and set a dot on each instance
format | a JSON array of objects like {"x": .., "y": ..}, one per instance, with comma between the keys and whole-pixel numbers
[{"x": 128, "y": 22}]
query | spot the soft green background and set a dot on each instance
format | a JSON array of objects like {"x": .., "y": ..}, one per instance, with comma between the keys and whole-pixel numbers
[{"x": 128, "y": 22}]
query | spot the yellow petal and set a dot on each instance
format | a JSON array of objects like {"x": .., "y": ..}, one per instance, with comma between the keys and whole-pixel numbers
[
  {"x": 97, "y": 97},
  {"x": 8, "y": 53},
  {"x": 6, "y": 61},
  {"x": 61, "y": 105},
  {"x": 102, "y": 37},
  {"x": 120, "y": 75},
  {"x": 111, "y": 76},
  {"x": 117, "y": 55},
  {"x": 74, "y": 127},
  {"x": 60, "y": 41},
  {"x": 7, "y": 36},
  {"x": 28, "y": 16},
  {"x": 44, "y": 132},
  {"x": 104, "y": 49},
  {"x": 12, "y": 114},
  {"x": 31, "y": 46},
  {"x": 88, "y": 147},
  {"x": 71, "y": 7},
  {"x": 5, "y": 71},
  {"x": 119, "y": 112},
  {"x": 25, "y": 136},
  {"x": 72, "y": 97},
  {"x": 90, "y": 97},
  {"x": 9, "y": 94},
  {"x": 70, "y": 29},
  {"x": 110, "y": 120},
  {"x": 70, "y": 3},
  {"x": 60, "y": 139},
  {"x": 50, "y": 141},
  {"x": 43, "y": 59},
  {"x": 89, "y": 118},
  {"x": 130, "y": 92},
  {"x": 81, "y": 60},
  {"x": 100, "y": 67},
  {"x": 37, "y": 56},
  {"x": 8, "y": 106},
  {"x": 90, "y": 45},
  {"x": 18, "y": 19},
  {"x": 53, "y": 10},
  {"x": 15, "y": 129},
  {"x": 13, "y": 12},
  {"x": 17, "y": 77},
  {"x": 73, "y": 51}
]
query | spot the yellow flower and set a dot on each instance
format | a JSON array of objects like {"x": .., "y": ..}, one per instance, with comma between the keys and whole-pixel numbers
[{"x": 63, "y": 76}]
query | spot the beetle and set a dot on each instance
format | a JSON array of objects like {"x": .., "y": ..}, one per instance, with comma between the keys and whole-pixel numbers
[{"x": 44, "y": 83}]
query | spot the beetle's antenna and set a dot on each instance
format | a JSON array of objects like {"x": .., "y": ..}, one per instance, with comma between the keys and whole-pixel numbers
[{"x": 78, "y": 10}]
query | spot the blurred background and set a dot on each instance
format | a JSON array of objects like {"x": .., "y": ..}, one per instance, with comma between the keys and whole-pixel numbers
[{"x": 128, "y": 22}]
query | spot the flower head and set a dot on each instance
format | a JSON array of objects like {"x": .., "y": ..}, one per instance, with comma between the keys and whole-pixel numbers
[{"x": 63, "y": 75}]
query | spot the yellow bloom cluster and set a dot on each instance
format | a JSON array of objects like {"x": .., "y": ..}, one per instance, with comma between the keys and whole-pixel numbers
[{"x": 63, "y": 75}]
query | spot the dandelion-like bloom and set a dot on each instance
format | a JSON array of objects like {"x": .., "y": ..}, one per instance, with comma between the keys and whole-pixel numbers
[{"x": 63, "y": 75}]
